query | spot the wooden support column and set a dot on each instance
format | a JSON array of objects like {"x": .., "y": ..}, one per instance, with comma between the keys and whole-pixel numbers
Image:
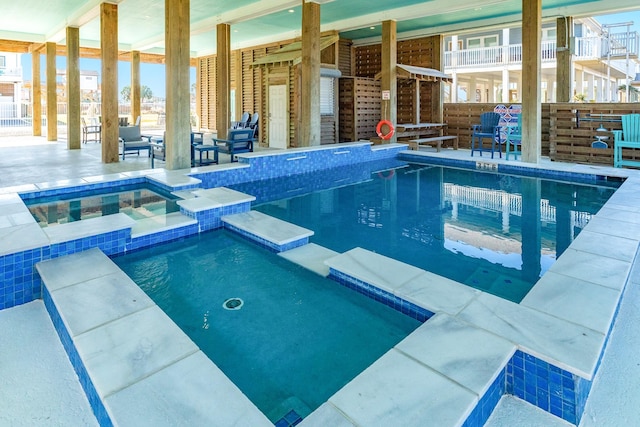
[
  {"x": 223, "y": 79},
  {"x": 310, "y": 122},
  {"x": 36, "y": 93},
  {"x": 109, "y": 81},
  {"x": 136, "y": 93},
  {"x": 388, "y": 81},
  {"x": 178, "y": 133},
  {"x": 437, "y": 63},
  {"x": 52, "y": 93},
  {"x": 239, "y": 90},
  {"x": 73, "y": 88},
  {"x": 564, "y": 81},
  {"x": 531, "y": 106}
]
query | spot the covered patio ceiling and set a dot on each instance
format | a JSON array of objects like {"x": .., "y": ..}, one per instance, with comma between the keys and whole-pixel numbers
[{"x": 254, "y": 22}]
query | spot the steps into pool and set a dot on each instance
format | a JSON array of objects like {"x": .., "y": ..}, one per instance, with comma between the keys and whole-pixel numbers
[
  {"x": 310, "y": 256},
  {"x": 135, "y": 365},
  {"x": 267, "y": 231}
]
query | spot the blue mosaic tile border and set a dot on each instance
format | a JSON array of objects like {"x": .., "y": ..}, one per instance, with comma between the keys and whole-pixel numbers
[
  {"x": 273, "y": 247},
  {"x": 296, "y": 163},
  {"x": 289, "y": 420},
  {"x": 51, "y": 192},
  {"x": 95, "y": 402},
  {"x": 515, "y": 170},
  {"x": 161, "y": 237},
  {"x": 548, "y": 387},
  {"x": 295, "y": 185},
  {"x": 487, "y": 402},
  {"x": 211, "y": 219},
  {"x": 111, "y": 243},
  {"x": 387, "y": 298},
  {"x": 19, "y": 281}
]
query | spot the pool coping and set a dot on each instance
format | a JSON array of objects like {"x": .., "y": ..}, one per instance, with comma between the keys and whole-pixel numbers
[{"x": 615, "y": 211}]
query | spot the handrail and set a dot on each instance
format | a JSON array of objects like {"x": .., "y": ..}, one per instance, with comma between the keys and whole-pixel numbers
[{"x": 585, "y": 48}]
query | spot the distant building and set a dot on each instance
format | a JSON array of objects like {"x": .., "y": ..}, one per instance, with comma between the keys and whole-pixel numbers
[
  {"x": 10, "y": 84},
  {"x": 486, "y": 66}
]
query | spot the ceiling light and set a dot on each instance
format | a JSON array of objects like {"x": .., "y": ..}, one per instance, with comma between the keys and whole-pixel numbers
[{"x": 291, "y": 10}]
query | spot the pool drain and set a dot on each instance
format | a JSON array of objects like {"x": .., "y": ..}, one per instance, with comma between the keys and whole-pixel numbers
[{"x": 232, "y": 304}]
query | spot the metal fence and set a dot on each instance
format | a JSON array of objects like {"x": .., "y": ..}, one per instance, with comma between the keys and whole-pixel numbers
[{"x": 16, "y": 119}]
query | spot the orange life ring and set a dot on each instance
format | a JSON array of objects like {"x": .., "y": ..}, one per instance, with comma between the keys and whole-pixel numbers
[
  {"x": 388, "y": 175},
  {"x": 379, "y": 129}
]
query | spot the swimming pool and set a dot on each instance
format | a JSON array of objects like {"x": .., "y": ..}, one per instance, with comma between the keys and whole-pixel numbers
[
  {"x": 138, "y": 201},
  {"x": 494, "y": 232},
  {"x": 294, "y": 339}
]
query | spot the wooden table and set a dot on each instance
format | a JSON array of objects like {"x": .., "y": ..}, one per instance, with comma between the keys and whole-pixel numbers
[
  {"x": 424, "y": 133},
  {"x": 418, "y": 130}
]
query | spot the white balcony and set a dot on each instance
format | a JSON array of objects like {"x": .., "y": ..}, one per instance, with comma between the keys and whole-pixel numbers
[
  {"x": 584, "y": 48},
  {"x": 10, "y": 74}
]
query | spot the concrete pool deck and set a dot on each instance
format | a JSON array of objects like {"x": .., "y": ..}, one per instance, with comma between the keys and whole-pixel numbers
[{"x": 610, "y": 411}]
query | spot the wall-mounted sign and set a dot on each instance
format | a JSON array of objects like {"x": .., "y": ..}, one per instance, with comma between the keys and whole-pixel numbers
[{"x": 386, "y": 94}]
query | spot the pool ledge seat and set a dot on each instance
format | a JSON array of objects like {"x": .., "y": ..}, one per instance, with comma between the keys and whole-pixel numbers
[
  {"x": 267, "y": 231},
  {"x": 136, "y": 366},
  {"x": 88, "y": 227}
]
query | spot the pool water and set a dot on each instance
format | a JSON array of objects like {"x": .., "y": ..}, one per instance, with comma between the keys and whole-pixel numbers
[
  {"x": 495, "y": 232},
  {"x": 138, "y": 201},
  {"x": 294, "y": 339}
]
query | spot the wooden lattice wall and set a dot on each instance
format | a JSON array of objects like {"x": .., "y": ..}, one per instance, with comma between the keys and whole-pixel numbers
[
  {"x": 418, "y": 52},
  {"x": 359, "y": 108},
  {"x": 253, "y": 83},
  {"x": 571, "y": 141},
  {"x": 461, "y": 117}
]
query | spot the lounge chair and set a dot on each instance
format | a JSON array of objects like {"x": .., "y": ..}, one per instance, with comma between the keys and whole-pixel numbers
[
  {"x": 131, "y": 140},
  {"x": 254, "y": 124},
  {"x": 238, "y": 141},
  {"x": 628, "y": 137},
  {"x": 488, "y": 128},
  {"x": 242, "y": 123},
  {"x": 513, "y": 139}
]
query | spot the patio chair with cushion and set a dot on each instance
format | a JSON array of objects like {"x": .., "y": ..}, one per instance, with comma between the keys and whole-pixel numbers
[
  {"x": 488, "y": 128},
  {"x": 238, "y": 141},
  {"x": 131, "y": 140},
  {"x": 628, "y": 137}
]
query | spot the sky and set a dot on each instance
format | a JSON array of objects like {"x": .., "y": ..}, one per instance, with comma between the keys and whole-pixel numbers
[
  {"x": 153, "y": 75},
  {"x": 621, "y": 18}
]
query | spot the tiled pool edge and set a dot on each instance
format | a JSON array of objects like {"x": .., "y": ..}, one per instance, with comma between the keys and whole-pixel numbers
[
  {"x": 20, "y": 284},
  {"x": 578, "y": 387},
  {"x": 97, "y": 406}
]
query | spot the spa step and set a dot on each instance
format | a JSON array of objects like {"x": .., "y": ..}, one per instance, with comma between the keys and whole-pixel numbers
[
  {"x": 136, "y": 366},
  {"x": 159, "y": 223},
  {"x": 270, "y": 232},
  {"x": 310, "y": 256},
  {"x": 444, "y": 373},
  {"x": 425, "y": 289}
]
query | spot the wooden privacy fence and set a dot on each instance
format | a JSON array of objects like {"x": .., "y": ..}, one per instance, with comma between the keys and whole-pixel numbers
[
  {"x": 568, "y": 129},
  {"x": 461, "y": 117},
  {"x": 574, "y": 127}
]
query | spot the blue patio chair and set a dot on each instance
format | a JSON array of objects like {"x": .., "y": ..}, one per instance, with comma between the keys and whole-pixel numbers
[
  {"x": 628, "y": 137},
  {"x": 513, "y": 139},
  {"x": 238, "y": 141},
  {"x": 242, "y": 123},
  {"x": 488, "y": 128}
]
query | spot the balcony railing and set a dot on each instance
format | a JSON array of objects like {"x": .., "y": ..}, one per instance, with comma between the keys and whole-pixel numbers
[
  {"x": 11, "y": 72},
  {"x": 585, "y": 48}
]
